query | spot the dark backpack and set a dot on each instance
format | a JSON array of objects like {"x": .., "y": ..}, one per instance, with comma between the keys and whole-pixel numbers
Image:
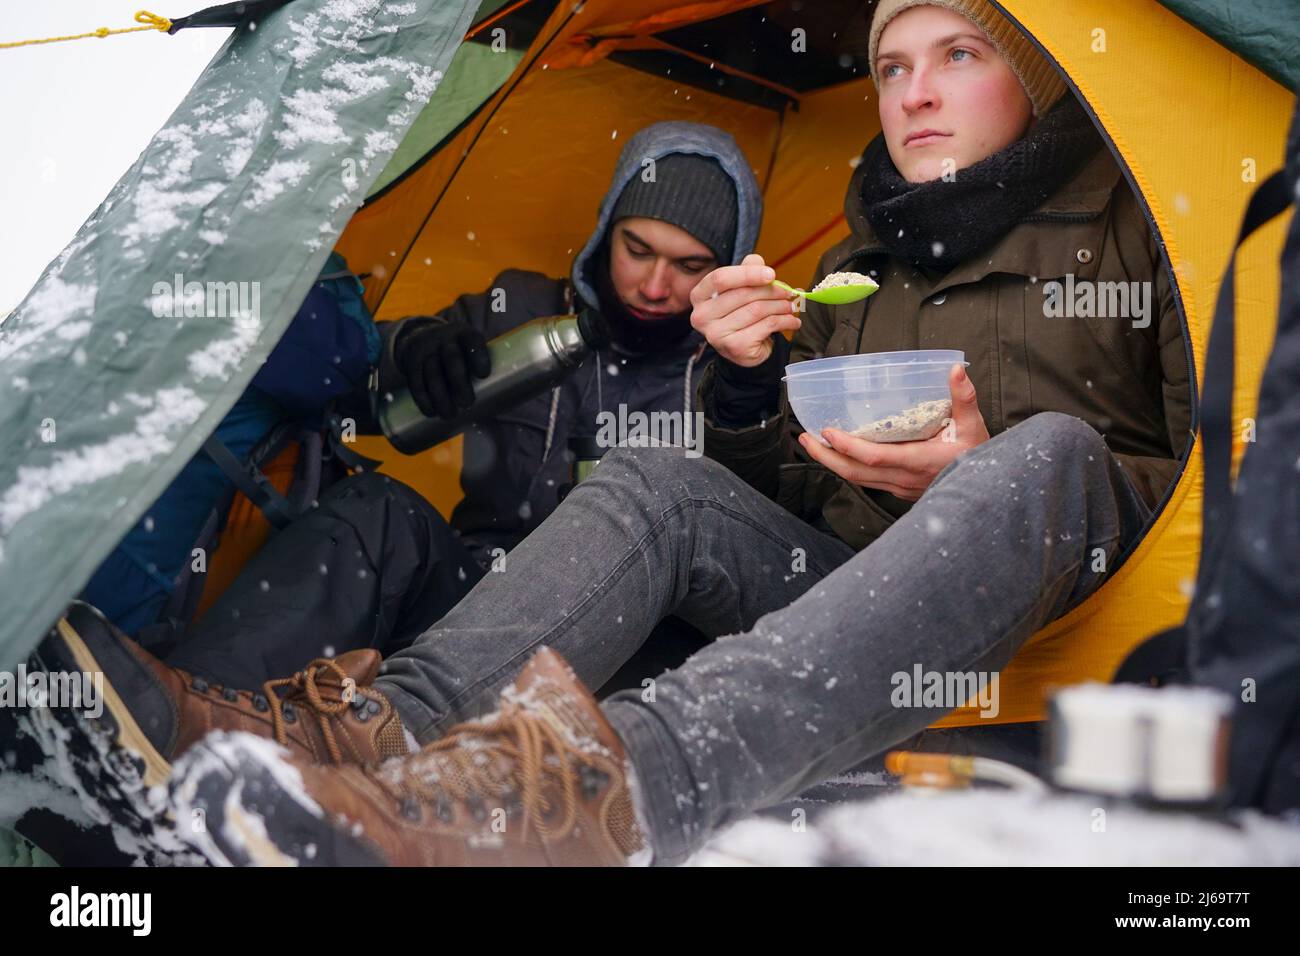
[
  {"x": 1242, "y": 633},
  {"x": 327, "y": 352}
]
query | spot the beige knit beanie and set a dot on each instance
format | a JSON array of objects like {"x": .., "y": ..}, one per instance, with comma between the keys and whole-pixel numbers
[{"x": 1041, "y": 80}]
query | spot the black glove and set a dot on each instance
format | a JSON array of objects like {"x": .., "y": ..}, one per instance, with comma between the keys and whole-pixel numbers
[{"x": 437, "y": 359}]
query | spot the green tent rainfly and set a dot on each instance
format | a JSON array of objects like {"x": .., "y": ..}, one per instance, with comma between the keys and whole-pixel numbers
[{"x": 104, "y": 397}]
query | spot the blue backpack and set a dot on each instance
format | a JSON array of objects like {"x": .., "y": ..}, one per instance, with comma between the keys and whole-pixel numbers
[{"x": 328, "y": 349}]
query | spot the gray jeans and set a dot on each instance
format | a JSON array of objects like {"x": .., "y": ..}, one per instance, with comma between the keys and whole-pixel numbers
[{"x": 1001, "y": 543}]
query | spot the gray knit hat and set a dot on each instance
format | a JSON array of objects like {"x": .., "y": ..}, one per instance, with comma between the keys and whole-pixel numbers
[{"x": 691, "y": 192}]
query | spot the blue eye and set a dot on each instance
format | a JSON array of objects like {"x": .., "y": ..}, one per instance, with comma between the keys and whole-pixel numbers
[
  {"x": 961, "y": 50},
  {"x": 889, "y": 70}
]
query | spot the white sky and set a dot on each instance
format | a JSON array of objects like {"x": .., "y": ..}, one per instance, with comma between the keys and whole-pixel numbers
[{"x": 74, "y": 116}]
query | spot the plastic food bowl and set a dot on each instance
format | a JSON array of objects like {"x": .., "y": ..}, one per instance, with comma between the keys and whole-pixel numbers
[{"x": 870, "y": 393}]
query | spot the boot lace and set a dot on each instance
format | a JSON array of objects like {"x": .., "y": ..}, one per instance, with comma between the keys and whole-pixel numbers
[{"x": 302, "y": 689}]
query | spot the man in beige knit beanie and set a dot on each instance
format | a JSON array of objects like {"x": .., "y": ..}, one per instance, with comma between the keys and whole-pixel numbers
[{"x": 938, "y": 64}]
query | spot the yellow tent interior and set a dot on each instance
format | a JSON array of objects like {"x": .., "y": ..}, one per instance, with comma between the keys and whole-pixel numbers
[{"x": 519, "y": 184}]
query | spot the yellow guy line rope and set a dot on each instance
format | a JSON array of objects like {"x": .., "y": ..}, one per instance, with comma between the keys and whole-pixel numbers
[{"x": 151, "y": 21}]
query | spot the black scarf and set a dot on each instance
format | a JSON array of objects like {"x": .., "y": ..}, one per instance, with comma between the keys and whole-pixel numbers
[
  {"x": 943, "y": 224},
  {"x": 630, "y": 334}
]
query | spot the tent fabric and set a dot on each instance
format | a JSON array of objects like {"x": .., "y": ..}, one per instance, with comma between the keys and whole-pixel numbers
[
  {"x": 1266, "y": 33},
  {"x": 109, "y": 387},
  {"x": 475, "y": 73},
  {"x": 520, "y": 184}
]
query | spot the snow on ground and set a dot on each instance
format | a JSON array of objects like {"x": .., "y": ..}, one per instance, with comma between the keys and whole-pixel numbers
[{"x": 1001, "y": 828}]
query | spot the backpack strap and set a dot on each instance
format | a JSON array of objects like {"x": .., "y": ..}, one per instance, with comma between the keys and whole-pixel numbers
[
  {"x": 250, "y": 479},
  {"x": 187, "y": 594},
  {"x": 339, "y": 449},
  {"x": 1270, "y": 199},
  {"x": 184, "y": 598},
  {"x": 306, "y": 485},
  {"x": 160, "y": 638}
]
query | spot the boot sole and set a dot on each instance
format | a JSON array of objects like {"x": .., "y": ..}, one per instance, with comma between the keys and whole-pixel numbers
[
  {"x": 129, "y": 735},
  {"x": 247, "y": 807},
  {"x": 108, "y": 761}
]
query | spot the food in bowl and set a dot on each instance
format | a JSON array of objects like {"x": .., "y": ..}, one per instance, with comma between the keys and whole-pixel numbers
[
  {"x": 921, "y": 421},
  {"x": 881, "y": 396}
]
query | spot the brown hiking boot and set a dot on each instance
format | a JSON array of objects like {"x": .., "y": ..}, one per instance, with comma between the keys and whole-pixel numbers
[
  {"x": 114, "y": 742},
  {"x": 543, "y": 781},
  {"x": 326, "y": 713}
]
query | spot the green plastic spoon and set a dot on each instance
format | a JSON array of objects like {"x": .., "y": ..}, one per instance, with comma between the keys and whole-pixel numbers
[{"x": 837, "y": 295}]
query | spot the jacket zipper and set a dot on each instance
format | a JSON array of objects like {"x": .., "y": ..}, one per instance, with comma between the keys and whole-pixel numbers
[{"x": 1075, "y": 217}]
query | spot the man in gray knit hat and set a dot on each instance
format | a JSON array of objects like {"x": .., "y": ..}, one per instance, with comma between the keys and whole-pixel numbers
[
  {"x": 685, "y": 207},
  {"x": 375, "y": 565}
]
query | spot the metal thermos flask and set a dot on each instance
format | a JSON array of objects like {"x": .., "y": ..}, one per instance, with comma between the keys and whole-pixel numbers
[{"x": 525, "y": 362}]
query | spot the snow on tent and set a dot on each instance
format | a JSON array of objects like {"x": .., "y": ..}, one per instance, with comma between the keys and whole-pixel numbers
[
  {"x": 103, "y": 400},
  {"x": 500, "y": 170}
]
